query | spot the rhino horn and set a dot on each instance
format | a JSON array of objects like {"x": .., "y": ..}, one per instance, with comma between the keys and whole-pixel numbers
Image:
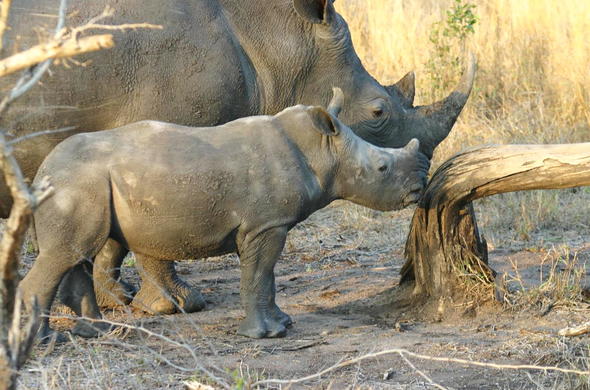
[
  {"x": 413, "y": 146},
  {"x": 335, "y": 105},
  {"x": 432, "y": 123}
]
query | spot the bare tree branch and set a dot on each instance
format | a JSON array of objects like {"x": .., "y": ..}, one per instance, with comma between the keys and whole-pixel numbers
[
  {"x": 4, "y": 11},
  {"x": 54, "y": 49},
  {"x": 422, "y": 374},
  {"x": 39, "y": 133},
  {"x": 576, "y": 330},
  {"x": 405, "y": 352},
  {"x": 65, "y": 44},
  {"x": 33, "y": 75}
]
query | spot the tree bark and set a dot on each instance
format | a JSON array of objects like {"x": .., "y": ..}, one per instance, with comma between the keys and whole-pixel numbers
[{"x": 444, "y": 248}]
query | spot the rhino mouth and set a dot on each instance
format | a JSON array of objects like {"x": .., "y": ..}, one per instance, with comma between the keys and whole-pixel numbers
[{"x": 413, "y": 196}]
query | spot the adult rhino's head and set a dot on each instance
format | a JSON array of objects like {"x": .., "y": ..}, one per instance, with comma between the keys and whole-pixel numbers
[
  {"x": 382, "y": 115},
  {"x": 366, "y": 174}
]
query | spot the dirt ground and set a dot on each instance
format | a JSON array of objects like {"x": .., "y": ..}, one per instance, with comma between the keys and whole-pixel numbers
[{"x": 337, "y": 278}]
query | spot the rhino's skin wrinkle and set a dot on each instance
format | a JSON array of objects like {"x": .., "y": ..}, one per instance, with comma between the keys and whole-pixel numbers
[{"x": 239, "y": 188}]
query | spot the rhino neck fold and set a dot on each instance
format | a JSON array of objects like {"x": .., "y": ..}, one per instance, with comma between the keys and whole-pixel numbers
[
  {"x": 316, "y": 151},
  {"x": 272, "y": 37}
]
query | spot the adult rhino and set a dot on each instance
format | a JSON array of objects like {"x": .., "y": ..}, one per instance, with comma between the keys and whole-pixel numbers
[{"x": 215, "y": 61}]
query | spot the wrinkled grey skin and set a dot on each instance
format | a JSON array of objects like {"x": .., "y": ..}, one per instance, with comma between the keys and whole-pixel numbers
[
  {"x": 215, "y": 61},
  {"x": 194, "y": 192}
]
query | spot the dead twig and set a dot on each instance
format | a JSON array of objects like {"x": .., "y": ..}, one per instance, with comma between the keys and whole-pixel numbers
[
  {"x": 33, "y": 74},
  {"x": 39, "y": 133},
  {"x": 4, "y": 10},
  {"x": 93, "y": 24},
  {"x": 576, "y": 330},
  {"x": 142, "y": 330},
  {"x": 54, "y": 49},
  {"x": 65, "y": 44},
  {"x": 422, "y": 374},
  {"x": 402, "y": 352}
]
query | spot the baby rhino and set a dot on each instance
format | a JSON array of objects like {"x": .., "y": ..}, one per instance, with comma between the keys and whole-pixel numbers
[{"x": 171, "y": 192}]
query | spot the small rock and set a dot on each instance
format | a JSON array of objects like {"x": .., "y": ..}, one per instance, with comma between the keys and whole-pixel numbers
[{"x": 388, "y": 374}]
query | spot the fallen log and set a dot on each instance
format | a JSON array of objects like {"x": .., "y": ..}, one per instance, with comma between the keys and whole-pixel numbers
[{"x": 444, "y": 248}]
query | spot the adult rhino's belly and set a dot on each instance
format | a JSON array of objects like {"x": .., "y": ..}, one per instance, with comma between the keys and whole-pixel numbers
[{"x": 169, "y": 221}]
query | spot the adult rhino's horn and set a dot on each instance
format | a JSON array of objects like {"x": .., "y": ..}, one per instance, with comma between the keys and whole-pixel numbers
[
  {"x": 405, "y": 89},
  {"x": 431, "y": 124},
  {"x": 336, "y": 103}
]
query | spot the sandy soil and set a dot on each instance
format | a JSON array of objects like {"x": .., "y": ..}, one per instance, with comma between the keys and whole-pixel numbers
[{"x": 336, "y": 279}]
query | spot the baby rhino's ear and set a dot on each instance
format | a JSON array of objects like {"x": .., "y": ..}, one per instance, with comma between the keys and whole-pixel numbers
[{"x": 323, "y": 122}]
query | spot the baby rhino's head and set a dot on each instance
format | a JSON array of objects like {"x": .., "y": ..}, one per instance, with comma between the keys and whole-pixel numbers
[{"x": 375, "y": 177}]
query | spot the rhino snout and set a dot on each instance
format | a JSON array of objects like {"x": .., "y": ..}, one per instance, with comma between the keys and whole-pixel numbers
[
  {"x": 415, "y": 191},
  {"x": 418, "y": 179}
]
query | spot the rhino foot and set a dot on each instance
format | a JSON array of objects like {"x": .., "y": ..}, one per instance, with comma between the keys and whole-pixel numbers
[
  {"x": 180, "y": 298},
  {"x": 281, "y": 317},
  {"x": 110, "y": 290},
  {"x": 48, "y": 336},
  {"x": 90, "y": 329},
  {"x": 114, "y": 293},
  {"x": 257, "y": 328}
]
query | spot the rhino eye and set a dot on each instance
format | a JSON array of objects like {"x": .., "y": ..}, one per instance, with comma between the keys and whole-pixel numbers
[{"x": 377, "y": 113}]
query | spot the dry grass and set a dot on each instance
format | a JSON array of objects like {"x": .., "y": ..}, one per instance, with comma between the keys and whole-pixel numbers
[{"x": 559, "y": 283}]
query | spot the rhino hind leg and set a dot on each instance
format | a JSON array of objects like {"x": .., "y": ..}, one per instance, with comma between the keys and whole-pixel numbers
[
  {"x": 162, "y": 291},
  {"x": 69, "y": 229},
  {"x": 77, "y": 292},
  {"x": 111, "y": 290},
  {"x": 257, "y": 286}
]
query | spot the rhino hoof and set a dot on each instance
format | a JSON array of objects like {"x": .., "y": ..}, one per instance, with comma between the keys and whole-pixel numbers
[
  {"x": 258, "y": 332},
  {"x": 280, "y": 331},
  {"x": 283, "y": 318},
  {"x": 53, "y": 336},
  {"x": 114, "y": 294},
  {"x": 162, "y": 304},
  {"x": 88, "y": 330}
]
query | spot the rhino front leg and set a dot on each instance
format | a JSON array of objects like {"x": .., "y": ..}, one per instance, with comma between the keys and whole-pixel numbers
[
  {"x": 162, "y": 291},
  {"x": 111, "y": 290},
  {"x": 257, "y": 289}
]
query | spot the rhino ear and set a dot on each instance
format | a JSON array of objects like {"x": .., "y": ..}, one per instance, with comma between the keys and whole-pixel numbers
[
  {"x": 323, "y": 122},
  {"x": 314, "y": 11},
  {"x": 335, "y": 105}
]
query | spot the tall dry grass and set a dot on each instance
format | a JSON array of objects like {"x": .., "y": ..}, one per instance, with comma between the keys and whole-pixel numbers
[{"x": 533, "y": 83}]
